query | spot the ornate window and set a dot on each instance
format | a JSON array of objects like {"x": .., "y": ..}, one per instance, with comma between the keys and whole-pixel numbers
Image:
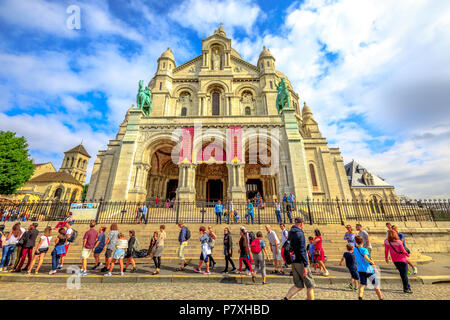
[
  {"x": 312, "y": 171},
  {"x": 185, "y": 101},
  {"x": 215, "y": 104},
  {"x": 79, "y": 163},
  {"x": 71, "y": 163}
]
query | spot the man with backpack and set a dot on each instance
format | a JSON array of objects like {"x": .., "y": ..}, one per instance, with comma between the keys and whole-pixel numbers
[
  {"x": 89, "y": 242},
  {"x": 276, "y": 250},
  {"x": 295, "y": 252},
  {"x": 71, "y": 235},
  {"x": 183, "y": 237},
  {"x": 28, "y": 240}
]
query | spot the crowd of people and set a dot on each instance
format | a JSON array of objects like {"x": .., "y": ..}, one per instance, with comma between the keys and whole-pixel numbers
[{"x": 303, "y": 257}]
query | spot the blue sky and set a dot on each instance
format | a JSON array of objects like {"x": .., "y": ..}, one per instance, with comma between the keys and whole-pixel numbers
[{"x": 376, "y": 74}]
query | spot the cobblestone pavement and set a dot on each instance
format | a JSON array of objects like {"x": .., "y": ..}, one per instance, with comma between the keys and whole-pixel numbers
[{"x": 203, "y": 291}]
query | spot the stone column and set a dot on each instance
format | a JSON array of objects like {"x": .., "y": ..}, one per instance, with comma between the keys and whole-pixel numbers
[
  {"x": 186, "y": 181},
  {"x": 236, "y": 181}
]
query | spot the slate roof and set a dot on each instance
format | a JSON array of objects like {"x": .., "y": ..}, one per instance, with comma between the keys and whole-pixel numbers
[
  {"x": 79, "y": 149},
  {"x": 56, "y": 177},
  {"x": 355, "y": 173}
]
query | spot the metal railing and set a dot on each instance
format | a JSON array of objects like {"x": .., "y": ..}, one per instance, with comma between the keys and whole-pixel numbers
[{"x": 312, "y": 211}]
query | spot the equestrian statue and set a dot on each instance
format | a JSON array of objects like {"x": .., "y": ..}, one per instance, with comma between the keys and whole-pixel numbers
[
  {"x": 144, "y": 99},
  {"x": 282, "y": 96}
]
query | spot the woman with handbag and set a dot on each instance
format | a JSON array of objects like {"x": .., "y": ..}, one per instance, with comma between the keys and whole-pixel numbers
[
  {"x": 319, "y": 254},
  {"x": 159, "y": 248},
  {"x": 206, "y": 251},
  {"x": 394, "y": 246},
  {"x": 401, "y": 237},
  {"x": 228, "y": 250},
  {"x": 212, "y": 243},
  {"x": 41, "y": 250},
  {"x": 59, "y": 249}
]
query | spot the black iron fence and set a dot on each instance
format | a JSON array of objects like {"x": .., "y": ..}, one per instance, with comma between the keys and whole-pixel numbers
[{"x": 312, "y": 211}]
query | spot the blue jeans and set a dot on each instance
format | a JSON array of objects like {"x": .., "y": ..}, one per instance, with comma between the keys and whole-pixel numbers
[
  {"x": 289, "y": 216},
  {"x": 277, "y": 212},
  {"x": 55, "y": 259},
  {"x": 218, "y": 217},
  {"x": 250, "y": 216},
  {"x": 402, "y": 267},
  {"x": 6, "y": 254}
]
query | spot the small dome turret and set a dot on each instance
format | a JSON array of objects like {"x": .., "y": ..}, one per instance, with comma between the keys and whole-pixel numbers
[{"x": 168, "y": 54}]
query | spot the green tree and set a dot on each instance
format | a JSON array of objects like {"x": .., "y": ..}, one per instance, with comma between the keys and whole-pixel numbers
[
  {"x": 84, "y": 192},
  {"x": 16, "y": 167}
]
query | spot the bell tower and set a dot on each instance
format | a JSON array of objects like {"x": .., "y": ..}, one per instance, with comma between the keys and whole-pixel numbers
[{"x": 75, "y": 163}]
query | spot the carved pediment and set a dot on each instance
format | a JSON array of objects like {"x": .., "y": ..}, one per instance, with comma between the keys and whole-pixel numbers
[{"x": 189, "y": 68}]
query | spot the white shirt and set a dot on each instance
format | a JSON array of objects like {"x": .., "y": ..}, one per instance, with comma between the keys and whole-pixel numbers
[
  {"x": 277, "y": 206},
  {"x": 272, "y": 237},
  {"x": 284, "y": 236},
  {"x": 69, "y": 232},
  {"x": 45, "y": 242}
]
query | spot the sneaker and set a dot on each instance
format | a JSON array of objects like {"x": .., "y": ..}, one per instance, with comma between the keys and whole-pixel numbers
[
  {"x": 95, "y": 267},
  {"x": 121, "y": 273},
  {"x": 197, "y": 270},
  {"x": 206, "y": 273},
  {"x": 59, "y": 267},
  {"x": 133, "y": 270},
  {"x": 83, "y": 273},
  {"x": 408, "y": 291},
  {"x": 415, "y": 270},
  {"x": 233, "y": 270},
  {"x": 326, "y": 274},
  {"x": 224, "y": 271},
  {"x": 350, "y": 285},
  {"x": 108, "y": 274},
  {"x": 52, "y": 272},
  {"x": 100, "y": 265}
]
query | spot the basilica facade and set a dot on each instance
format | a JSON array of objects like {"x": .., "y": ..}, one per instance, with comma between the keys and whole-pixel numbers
[{"x": 217, "y": 130}]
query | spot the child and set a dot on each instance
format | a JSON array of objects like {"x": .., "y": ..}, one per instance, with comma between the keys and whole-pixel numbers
[
  {"x": 310, "y": 250},
  {"x": 350, "y": 262},
  {"x": 258, "y": 256},
  {"x": 119, "y": 254},
  {"x": 226, "y": 216},
  {"x": 236, "y": 216}
]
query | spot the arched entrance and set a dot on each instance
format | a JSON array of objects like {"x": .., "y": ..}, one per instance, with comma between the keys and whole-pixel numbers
[
  {"x": 171, "y": 191},
  {"x": 214, "y": 190},
  {"x": 253, "y": 186}
]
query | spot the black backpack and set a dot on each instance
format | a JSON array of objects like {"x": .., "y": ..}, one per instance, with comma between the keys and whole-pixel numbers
[
  {"x": 73, "y": 236},
  {"x": 288, "y": 252},
  {"x": 251, "y": 237},
  {"x": 188, "y": 234}
]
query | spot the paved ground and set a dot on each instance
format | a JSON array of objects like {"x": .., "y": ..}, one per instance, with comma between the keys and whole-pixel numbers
[{"x": 193, "y": 291}]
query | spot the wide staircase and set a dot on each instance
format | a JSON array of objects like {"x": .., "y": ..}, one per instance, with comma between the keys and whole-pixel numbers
[{"x": 333, "y": 241}]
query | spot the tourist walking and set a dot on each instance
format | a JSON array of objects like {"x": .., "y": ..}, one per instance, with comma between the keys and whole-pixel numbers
[
  {"x": 228, "y": 250},
  {"x": 133, "y": 247},
  {"x": 119, "y": 254},
  {"x": 41, "y": 250},
  {"x": 60, "y": 248},
  {"x": 276, "y": 250},
  {"x": 301, "y": 273},
  {"x": 111, "y": 244},
  {"x": 143, "y": 218},
  {"x": 288, "y": 211},
  {"x": 152, "y": 248},
  {"x": 365, "y": 235},
  {"x": 277, "y": 207},
  {"x": 393, "y": 246},
  {"x": 249, "y": 211},
  {"x": 159, "y": 248},
  {"x": 211, "y": 243},
  {"x": 99, "y": 246},
  {"x": 183, "y": 238},
  {"x": 156, "y": 202},
  {"x": 28, "y": 241},
  {"x": 284, "y": 236},
  {"x": 89, "y": 243},
  {"x": 401, "y": 237},
  {"x": 365, "y": 270},
  {"x": 319, "y": 254},
  {"x": 310, "y": 251},
  {"x": 205, "y": 251},
  {"x": 17, "y": 253},
  {"x": 236, "y": 216},
  {"x": 291, "y": 199},
  {"x": 244, "y": 252},
  {"x": 218, "y": 209},
  {"x": 8, "y": 245},
  {"x": 350, "y": 263},
  {"x": 258, "y": 248},
  {"x": 350, "y": 235}
]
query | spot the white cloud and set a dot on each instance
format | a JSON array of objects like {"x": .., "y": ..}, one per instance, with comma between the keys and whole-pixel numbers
[{"x": 205, "y": 15}]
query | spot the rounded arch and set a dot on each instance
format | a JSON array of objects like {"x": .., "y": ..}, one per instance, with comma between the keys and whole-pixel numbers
[
  {"x": 216, "y": 42},
  {"x": 59, "y": 192},
  {"x": 79, "y": 163},
  {"x": 243, "y": 87},
  {"x": 275, "y": 143},
  {"x": 185, "y": 87},
  {"x": 312, "y": 168},
  {"x": 216, "y": 84},
  {"x": 146, "y": 150}
]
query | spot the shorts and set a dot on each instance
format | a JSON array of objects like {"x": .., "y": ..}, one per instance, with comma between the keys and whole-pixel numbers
[
  {"x": 85, "y": 253},
  {"x": 276, "y": 256},
  {"x": 204, "y": 258},
  {"x": 299, "y": 280},
  {"x": 119, "y": 254},
  {"x": 180, "y": 250},
  {"x": 40, "y": 251},
  {"x": 363, "y": 276},
  {"x": 108, "y": 253},
  {"x": 98, "y": 250},
  {"x": 353, "y": 273}
]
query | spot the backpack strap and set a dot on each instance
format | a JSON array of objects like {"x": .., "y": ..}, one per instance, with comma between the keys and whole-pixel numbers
[{"x": 394, "y": 248}]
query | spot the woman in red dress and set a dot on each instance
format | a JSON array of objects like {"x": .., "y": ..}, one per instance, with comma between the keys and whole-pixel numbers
[{"x": 319, "y": 255}]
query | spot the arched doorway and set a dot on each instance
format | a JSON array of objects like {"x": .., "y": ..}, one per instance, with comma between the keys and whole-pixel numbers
[
  {"x": 253, "y": 186},
  {"x": 214, "y": 190},
  {"x": 172, "y": 186},
  {"x": 58, "y": 193}
]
